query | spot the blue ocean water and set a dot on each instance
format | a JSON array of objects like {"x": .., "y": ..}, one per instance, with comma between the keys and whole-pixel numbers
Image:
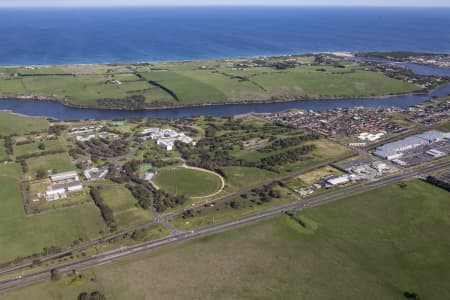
[{"x": 100, "y": 35}]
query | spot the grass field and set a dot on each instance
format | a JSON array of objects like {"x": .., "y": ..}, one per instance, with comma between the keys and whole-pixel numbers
[
  {"x": 224, "y": 211},
  {"x": 241, "y": 177},
  {"x": 3, "y": 154},
  {"x": 17, "y": 125},
  {"x": 187, "y": 182},
  {"x": 52, "y": 145},
  {"x": 190, "y": 83},
  {"x": 445, "y": 127},
  {"x": 126, "y": 210},
  {"x": 312, "y": 177},
  {"x": 325, "y": 150},
  {"x": 22, "y": 235},
  {"x": 56, "y": 162},
  {"x": 373, "y": 246}
]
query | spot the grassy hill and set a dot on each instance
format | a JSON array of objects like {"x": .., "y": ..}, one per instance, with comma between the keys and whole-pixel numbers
[{"x": 168, "y": 84}]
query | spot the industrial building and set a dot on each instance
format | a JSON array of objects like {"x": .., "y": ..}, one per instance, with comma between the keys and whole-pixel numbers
[
  {"x": 333, "y": 181},
  {"x": 62, "y": 184},
  {"x": 394, "y": 150}
]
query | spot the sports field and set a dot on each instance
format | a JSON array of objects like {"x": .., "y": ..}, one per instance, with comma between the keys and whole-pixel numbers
[
  {"x": 11, "y": 124},
  {"x": 188, "y": 182},
  {"x": 125, "y": 208},
  {"x": 374, "y": 246},
  {"x": 196, "y": 83},
  {"x": 22, "y": 235}
]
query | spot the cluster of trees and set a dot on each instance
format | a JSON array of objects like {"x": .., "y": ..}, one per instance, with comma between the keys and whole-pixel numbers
[
  {"x": 105, "y": 148},
  {"x": 286, "y": 157},
  {"x": 76, "y": 152},
  {"x": 411, "y": 295},
  {"x": 258, "y": 196},
  {"x": 164, "y": 200},
  {"x": 143, "y": 195},
  {"x": 92, "y": 296},
  {"x": 283, "y": 65},
  {"x": 296, "y": 219},
  {"x": 9, "y": 145},
  {"x": 57, "y": 129},
  {"x": 26, "y": 142},
  {"x": 106, "y": 211},
  {"x": 439, "y": 183},
  {"x": 160, "y": 163},
  {"x": 288, "y": 142},
  {"x": 24, "y": 165},
  {"x": 214, "y": 151},
  {"x": 265, "y": 194},
  {"x": 134, "y": 102},
  {"x": 42, "y": 153},
  {"x": 41, "y": 173}
]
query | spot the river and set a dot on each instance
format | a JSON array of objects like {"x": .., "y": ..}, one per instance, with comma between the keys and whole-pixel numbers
[{"x": 58, "y": 111}]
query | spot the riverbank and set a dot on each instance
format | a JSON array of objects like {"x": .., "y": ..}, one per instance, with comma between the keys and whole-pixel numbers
[
  {"x": 58, "y": 111},
  {"x": 171, "y": 85},
  {"x": 27, "y": 98}
]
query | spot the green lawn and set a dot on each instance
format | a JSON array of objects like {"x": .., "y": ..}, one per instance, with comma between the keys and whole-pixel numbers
[
  {"x": 331, "y": 84},
  {"x": 11, "y": 86},
  {"x": 126, "y": 210},
  {"x": 188, "y": 182},
  {"x": 22, "y": 235},
  {"x": 186, "y": 88},
  {"x": 18, "y": 125},
  {"x": 373, "y": 246},
  {"x": 56, "y": 162},
  {"x": 53, "y": 145}
]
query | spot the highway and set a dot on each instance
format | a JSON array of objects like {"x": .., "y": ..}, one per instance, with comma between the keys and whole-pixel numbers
[{"x": 124, "y": 252}]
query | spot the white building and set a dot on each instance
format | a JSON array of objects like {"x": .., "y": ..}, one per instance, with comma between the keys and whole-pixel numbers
[
  {"x": 338, "y": 180},
  {"x": 366, "y": 136},
  {"x": 166, "y": 143},
  {"x": 64, "y": 177},
  {"x": 52, "y": 195},
  {"x": 165, "y": 137},
  {"x": 435, "y": 153},
  {"x": 95, "y": 173},
  {"x": 62, "y": 184},
  {"x": 380, "y": 166}
]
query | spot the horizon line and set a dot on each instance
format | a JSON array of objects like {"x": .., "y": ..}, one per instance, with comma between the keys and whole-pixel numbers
[{"x": 223, "y": 5}]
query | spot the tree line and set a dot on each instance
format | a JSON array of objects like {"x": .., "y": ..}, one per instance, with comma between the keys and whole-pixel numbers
[{"x": 105, "y": 210}]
